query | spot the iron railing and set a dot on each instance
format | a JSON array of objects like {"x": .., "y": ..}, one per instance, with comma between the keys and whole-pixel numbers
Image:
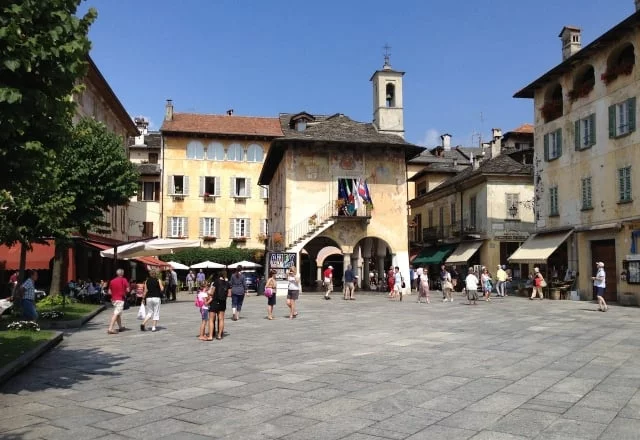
[{"x": 305, "y": 227}]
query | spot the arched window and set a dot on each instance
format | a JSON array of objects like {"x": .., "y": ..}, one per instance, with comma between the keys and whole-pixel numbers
[
  {"x": 390, "y": 95},
  {"x": 583, "y": 82},
  {"x": 195, "y": 150},
  {"x": 255, "y": 153},
  {"x": 620, "y": 62},
  {"x": 553, "y": 105},
  {"x": 215, "y": 151},
  {"x": 235, "y": 152}
]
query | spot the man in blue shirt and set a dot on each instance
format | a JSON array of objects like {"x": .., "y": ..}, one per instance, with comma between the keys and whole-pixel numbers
[
  {"x": 349, "y": 283},
  {"x": 28, "y": 297}
]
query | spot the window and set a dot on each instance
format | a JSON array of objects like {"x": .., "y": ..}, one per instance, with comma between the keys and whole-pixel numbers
[
  {"x": 301, "y": 125},
  {"x": 453, "y": 213},
  {"x": 264, "y": 192},
  {"x": 622, "y": 118},
  {"x": 586, "y": 193},
  {"x": 431, "y": 218},
  {"x": 390, "y": 98},
  {"x": 421, "y": 188},
  {"x": 195, "y": 150},
  {"x": 624, "y": 184},
  {"x": 585, "y": 132},
  {"x": 178, "y": 185},
  {"x": 472, "y": 212},
  {"x": 147, "y": 229},
  {"x": 215, "y": 151},
  {"x": 522, "y": 146},
  {"x": 149, "y": 192},
  {"x": 114, "y": 218},
  {"x": 122, "y": 220},
  {"x": 513, "y": 206},
  {"x": 240, "y": 187},
  {"x": 235, "y": 153},
  {"x": 209, "y": 186},
  {"x": 209, "y": 227},
  {"x": 239, "y": 227},
  {"x": 255, "y": 153},
  {"x": 264, "y": 226},
  {"x": 553, "y": 201},
  {"x": 153, "y": 157},
  {"x": 553, "y": 145},
  {"x": 177, "y": 227},
  {"x": 441, "y": 219}
]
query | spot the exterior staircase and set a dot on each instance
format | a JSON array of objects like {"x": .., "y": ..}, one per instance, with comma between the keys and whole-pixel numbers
[{"x": 302, "y": 233}]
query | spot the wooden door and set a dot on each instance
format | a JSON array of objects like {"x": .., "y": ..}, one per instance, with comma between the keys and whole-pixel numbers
[{"x": 605, "y": 251}]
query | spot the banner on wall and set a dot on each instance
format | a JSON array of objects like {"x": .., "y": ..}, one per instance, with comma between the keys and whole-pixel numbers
[{"x": 281, "y": 262}]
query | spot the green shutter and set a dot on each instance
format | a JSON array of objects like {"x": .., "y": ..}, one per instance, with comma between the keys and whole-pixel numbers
[
  {"x": 632, "y": 114},
  {"x": 559, "y": 141},
  {"x": 627, "y": 182},
  {"x": 612, "y": 121},
  {"x": 621, "y": 184},
  {"x": 576, "y": 135},
  {"x": 546, "y": 147},
  {"x": 592, "y": 123}
]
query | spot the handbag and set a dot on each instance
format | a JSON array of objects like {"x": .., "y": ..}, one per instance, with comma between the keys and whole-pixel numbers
[
  {"x": 142, "y": 312},
  {"x": 543, "y": 283},
  {"x": 403, "y": 285},
  {"x": 268, "y": 292}
]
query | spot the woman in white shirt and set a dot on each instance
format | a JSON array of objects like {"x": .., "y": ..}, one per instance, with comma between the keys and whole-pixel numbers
[
  {"x": 293, "y": 291},
  {"x": 599, "y": 282}
]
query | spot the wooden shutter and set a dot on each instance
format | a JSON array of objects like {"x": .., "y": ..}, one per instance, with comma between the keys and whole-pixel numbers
[
  {"x": 232, "y": 223},
  {"x": 559, "y": 141},
  {"x": 140, "y": 190},
  {"x": 170, "y": 185},
  {"x": 202, "y": 222},
  {"x": 546, "y": 147},
  {"x": 232, "y": 187},
  {"x": 592, "y": 133},
  {"x": 185, "y": 232},
  {"x": 263, "y": 223},
  {"x": 217, "y": 186},
  {"x": 216, "y": 227},
  {"x": 202, "y": 184},
  {"x": 631, "y": 102},
  {"x": 247, "y": 182},
  {"x": 185, "y": 183},
  {"x": 169, "y": 231},
  {"x": 156, "y": 191},
  {"x": 576, "y": 135},
  {"x": 621, "y": 184},
  {"x": 247, "y": 229},
  {"x": 612, "y": 121}
]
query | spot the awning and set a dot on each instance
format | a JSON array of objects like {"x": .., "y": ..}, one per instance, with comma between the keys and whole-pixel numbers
[
  {"x": 434, "y": 255},
  {"x": 413, "y": 253},
  {"x": 538, "y": 248},
  {"x": 464, "y": 252},
  {"x": 38, "y": 258},
  {"x": 148, "y": 261}
]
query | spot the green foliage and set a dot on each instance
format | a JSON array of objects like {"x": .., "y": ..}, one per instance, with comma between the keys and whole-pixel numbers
[
  {"x": 44, "y": 48},
  {"x": 228, "y": 255},
  {"x": 54, "y": 301}
]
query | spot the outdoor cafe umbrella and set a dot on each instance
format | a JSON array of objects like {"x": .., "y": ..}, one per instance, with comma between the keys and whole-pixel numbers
[
  {"x": 208, "y": 265},
  {"x": 177, "y": 266},
  {"x": 245, "y": 265},
  {"x": 153, "y": 247}
]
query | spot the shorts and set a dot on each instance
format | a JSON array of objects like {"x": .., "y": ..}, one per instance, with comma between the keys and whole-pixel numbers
[
  {"x": 218, "y": 306},
  {"x": 472, "y": 295},
  {"x": 271, "y": 300},
  {"x": 293, "y": 294},
  {"x": 396, "y": 287},
  {"x": 204, "y": 313},
  {"x": 600, "y": 291},
  {"x": 118, "y": 307}
]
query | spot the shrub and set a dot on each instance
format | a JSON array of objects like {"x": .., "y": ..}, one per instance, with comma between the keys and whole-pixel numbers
[
  {"x": 24, "y": 325},
  {"x": 52, "y": 314},
  {"x": 55, "y": 300}
]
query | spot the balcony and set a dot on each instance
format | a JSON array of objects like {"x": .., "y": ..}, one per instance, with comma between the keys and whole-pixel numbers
[{"x": 344, "y": 211}]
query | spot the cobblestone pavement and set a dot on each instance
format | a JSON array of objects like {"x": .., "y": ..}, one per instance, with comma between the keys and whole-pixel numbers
[{"x": 369, "y": 369}]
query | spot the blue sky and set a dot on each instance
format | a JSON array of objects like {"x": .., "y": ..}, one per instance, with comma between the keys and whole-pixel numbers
[{"x": 464, "y": 59}]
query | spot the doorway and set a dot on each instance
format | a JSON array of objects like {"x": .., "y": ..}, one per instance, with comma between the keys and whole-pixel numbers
[{"x": 605, "y": 251}]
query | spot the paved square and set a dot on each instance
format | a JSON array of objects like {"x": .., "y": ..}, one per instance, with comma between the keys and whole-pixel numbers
[{"x": 365, "y": 369}]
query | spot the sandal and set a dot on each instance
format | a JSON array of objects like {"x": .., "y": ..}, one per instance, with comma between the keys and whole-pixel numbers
[{"x": 112, "y": 332}]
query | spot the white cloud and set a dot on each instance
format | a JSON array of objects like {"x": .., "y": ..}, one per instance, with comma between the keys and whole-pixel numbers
[{"x": 431, "y": 138}]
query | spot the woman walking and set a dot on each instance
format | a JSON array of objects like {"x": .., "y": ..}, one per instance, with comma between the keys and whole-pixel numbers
[
  {"x": 238, "y": 291},
  {"x": 152, "y": 297},
  {"x": 538, "y": 284},
  {"x": 293, "y": 291},
  {"x": 599, "y": 282},
  {"x": 485, "y": 280},
  {"x": 220, "y": 290},
  {"x": 447, "y": 287},
  {"x": 423, "y": 286},
  {"x": 270, "y": 293}
]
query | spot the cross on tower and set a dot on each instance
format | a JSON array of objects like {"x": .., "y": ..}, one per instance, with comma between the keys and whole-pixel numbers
[{"x": 387, "y": 54}]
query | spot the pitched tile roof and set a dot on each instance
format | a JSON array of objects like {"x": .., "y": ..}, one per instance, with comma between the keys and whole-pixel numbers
[
  {"x": 524, "y": 128},
  {"x": 501, "y": 165},
  {"x": 222, "y": 125},
  {"x": 151, "y": 140}
]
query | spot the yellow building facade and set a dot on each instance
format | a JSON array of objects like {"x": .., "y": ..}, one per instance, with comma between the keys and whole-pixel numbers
[
  {"x": 587, "y": 156},
  {"x": 211, "y": 165}
]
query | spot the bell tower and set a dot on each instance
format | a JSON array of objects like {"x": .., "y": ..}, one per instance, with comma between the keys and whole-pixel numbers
[{"x": 387, "y": 98}]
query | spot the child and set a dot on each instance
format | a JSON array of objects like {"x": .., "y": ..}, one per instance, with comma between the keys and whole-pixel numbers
[
  {"x": 202, "y": 302},
  {"x": 423, "y": 288}
]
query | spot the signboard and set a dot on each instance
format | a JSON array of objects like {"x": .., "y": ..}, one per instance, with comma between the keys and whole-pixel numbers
[{"x": 281, "y": 262}]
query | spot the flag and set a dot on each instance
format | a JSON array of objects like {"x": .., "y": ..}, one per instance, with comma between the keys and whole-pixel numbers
[
  {"x": 357, "y": 201},
  {"x": 342, "y": 195},
  {"x": 351, "y": 208},
  {"x": 363, "y": 191}
]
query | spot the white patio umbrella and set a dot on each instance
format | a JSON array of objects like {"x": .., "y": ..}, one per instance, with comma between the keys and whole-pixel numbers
[
  {"x": 153, "y": 247},
  {"x": 208, "y": 265},
  {"x": 178, "y": 266},
  {"x": 245, "y": 265}
]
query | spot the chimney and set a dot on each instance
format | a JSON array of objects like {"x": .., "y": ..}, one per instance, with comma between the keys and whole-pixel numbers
[
  {"x": 142, "y": 123},
  {"x": 446, "y": 141},
  {"x": 497, "y": 133},
  {"x": 168, "y": 111},
  {"x": 571, "y": 40}
]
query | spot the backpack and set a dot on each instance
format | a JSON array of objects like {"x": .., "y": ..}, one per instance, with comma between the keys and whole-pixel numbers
[{"x": 199, "y": 303}]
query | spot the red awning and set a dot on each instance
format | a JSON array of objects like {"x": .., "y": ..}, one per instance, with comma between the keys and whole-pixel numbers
[
  {"x": 147, "y": 261},
  {"x": 38, "y": 258}
]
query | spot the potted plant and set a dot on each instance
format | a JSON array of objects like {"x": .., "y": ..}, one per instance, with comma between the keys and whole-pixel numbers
[
  {"x": 313, "y": 220},
  {"x": 551, "y": 110},
  {"x": 277, "y": 238},
  {"x": 580, "y": 91},
  {"x": 262, "y": 238},
  {"x": 240, "y": 239},
  {"x": 615, "y": 71},
  {"x": 208, "y": 238}
]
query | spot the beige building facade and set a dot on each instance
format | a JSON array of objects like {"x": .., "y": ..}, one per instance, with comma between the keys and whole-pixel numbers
[
  {"x": 587, "y": 157},
  {"x": 211, "y": 165}
]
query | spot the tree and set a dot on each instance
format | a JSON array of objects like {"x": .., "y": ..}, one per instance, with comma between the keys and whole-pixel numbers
[
  {"x": 97, "y": 175},
  {"x": 44, "y": 49}
]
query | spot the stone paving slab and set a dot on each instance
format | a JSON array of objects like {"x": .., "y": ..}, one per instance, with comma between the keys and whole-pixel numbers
[{"x": 369, "y": 369}]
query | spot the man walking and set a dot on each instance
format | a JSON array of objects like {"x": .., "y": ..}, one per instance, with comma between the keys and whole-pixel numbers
[
  {"x": 173, "y": 285},
  {"x": 191, "y": 281},
  {"x": 501, "y": 276},
  {"x": 328, "y": 282},
  {"x": 200, "y": 279},
  {"x": 472, "y": 287},
  {"x": 118, "y": 289},
  {"x": 599, "y": 282},
  {"x": 349, "y": 283},
  {"x": 28, "y": 297}
]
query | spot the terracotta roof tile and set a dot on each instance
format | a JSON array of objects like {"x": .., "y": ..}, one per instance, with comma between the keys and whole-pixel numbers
[
  {"x": 524, "y": 128},
  {"x": 222, "y": 124}
]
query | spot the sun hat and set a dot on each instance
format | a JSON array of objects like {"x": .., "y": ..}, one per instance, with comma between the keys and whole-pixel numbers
[
  {"x": 600, "y": 264},
  {"x": 330, "y": 267}
]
